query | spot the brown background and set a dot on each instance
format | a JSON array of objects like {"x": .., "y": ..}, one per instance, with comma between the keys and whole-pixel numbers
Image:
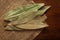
[{"x": 53, "y": 31}]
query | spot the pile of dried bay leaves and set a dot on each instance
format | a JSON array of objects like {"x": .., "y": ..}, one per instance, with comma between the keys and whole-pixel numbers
[{"x": 30, "y": 16}]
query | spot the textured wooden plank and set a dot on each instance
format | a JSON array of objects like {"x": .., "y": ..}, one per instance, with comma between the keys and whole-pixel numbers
[{"x": 6, "y": 5}]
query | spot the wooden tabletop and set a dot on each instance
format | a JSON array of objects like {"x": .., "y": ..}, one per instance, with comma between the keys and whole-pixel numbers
[{"x": 52, "y": 32}]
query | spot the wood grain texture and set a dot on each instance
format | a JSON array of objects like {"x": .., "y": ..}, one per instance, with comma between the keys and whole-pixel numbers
[
  {"x": 5, "y": 6},
  {"x": 53, "y": 31}
]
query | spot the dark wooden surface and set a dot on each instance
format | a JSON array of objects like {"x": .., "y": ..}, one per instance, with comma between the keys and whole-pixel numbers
[{"x": 53, "y": 31}]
